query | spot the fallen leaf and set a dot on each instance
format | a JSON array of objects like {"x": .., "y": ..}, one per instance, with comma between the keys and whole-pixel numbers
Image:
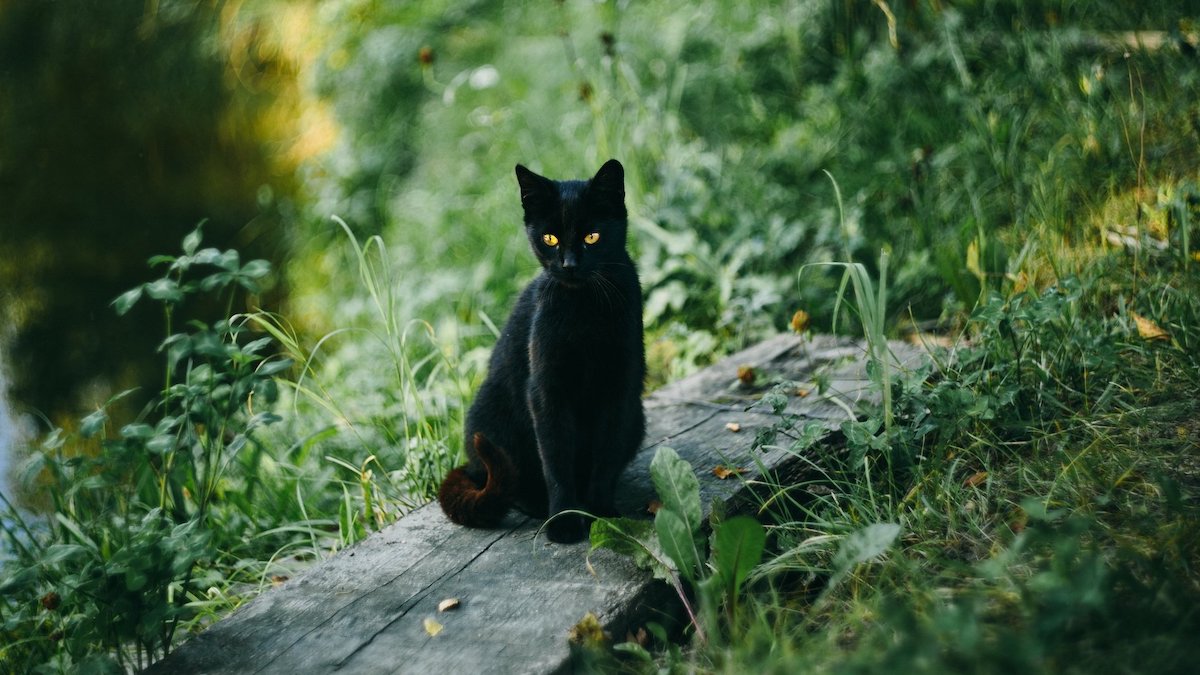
[
  {"x": 1147, "y": 328},
  {"x": 975, "y": 479},
  {"x": 721, "y": 471},
  {"x": 801, "y": 392},
  {"x": 746, "y": 375},
  {"x": 448, "y": 604},
  {"x": 51, "y": 601},
  {"x": 277, "y": 579},
  {"x": 588, "y": 632},
  {"x": 432, "y": 627},
  {"x": 640, "y": 638},
  {"x": 653, "y": 506},
  {"x": 733, "y": 426},
  {"x": 800, "y": 321}
]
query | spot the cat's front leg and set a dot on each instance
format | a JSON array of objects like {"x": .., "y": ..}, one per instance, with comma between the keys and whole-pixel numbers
[
  {"x": 617, "y": 440},
  {"x": 555, "y": 428}
]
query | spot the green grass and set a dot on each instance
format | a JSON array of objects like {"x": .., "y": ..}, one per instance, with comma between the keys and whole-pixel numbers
[{"x": 985, "y": 159}]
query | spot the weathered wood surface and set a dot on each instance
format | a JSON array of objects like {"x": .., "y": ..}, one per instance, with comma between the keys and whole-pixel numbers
[{"x": 364, "y": 610}]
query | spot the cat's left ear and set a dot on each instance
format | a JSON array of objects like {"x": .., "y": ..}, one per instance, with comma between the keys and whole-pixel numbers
[
  {"x": 534, "y": 188},
  {"x": 610, "y": 180}
]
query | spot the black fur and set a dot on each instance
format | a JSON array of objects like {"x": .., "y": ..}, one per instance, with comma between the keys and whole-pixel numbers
[{"x": 562, "y": 398}]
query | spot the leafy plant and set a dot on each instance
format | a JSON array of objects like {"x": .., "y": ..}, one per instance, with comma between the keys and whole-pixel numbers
[
  {"x": 673, "y": 546},
  {"x": 133, "y": 509}
]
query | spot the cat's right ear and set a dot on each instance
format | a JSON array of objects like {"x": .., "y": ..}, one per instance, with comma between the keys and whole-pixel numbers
[{"x": 535, "y": 189}]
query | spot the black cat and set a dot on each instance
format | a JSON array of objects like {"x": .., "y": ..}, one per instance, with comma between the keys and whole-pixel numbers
[{"x": 560, "y": 412}]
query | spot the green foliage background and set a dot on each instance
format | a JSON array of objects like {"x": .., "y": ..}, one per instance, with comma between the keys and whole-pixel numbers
[{"x": 1028, "y": 169}]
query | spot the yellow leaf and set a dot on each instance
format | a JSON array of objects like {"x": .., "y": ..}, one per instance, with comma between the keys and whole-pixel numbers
[
  {"x": 800, "y": 321},
  {"x": 448, "y": 604},
  {"x": 432, "y": 627},
  {"x": 975, "y": 479},
  {"x": 588, "y": 632},
  {"x": 973, "y": 259},
  {"x": 746, "y": 375},
  {"x": 1147, "y": 328},
  {"x": 724, "y": 472}
]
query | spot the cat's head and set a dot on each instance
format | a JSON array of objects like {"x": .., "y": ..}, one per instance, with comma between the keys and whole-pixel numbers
[{"x": 576, "y": 227}]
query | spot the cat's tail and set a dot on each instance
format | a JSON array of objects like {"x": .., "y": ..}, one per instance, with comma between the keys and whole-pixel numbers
[{"x": 466, "y": 502}]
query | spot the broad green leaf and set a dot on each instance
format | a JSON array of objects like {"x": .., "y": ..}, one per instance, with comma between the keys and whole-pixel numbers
[
  {"x": 678, "y": 542},
  {"x": 208, "y": 256},
  {"x": 161, "y": 444},
  {"x": 255, "y": 346},
  {"x": 634, "y": 538},
  {"x": 136, "y": 431},
  {"x": 634, "y": 650},
  {"x": 868, "y": 543},
  {"x": 737, "y": 548},
  {"x": 256, "y": 269},
  {"x": 56, "y": 553},
  {"x": 269, "y": 368},
  {"x": 192, "y": 241},
  {"x": 92, "y": 424},
  {"x": 230, "y": 260},
  {"x": 677, "y": 487},
  {"x": 164, "y": 289},
  {"x": 127, "y": 300},
  {"x": 215, "y": 281}
]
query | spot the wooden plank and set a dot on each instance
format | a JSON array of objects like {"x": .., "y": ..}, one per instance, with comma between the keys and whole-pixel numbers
[{"x": 364, "y": 610}]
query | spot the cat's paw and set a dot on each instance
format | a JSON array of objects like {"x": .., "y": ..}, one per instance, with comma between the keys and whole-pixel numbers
[{"x": 567, "y": 528}]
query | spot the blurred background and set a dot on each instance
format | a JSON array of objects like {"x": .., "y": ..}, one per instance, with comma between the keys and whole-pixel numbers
[{"x": 966, "y": 138}]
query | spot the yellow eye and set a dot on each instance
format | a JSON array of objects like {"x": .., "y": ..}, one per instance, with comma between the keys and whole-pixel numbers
[
  {"x": 592, "y": 238},
  {"x": 550, "y": 239}
]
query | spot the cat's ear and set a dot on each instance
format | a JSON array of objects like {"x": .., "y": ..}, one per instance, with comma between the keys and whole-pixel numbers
[
  {"x": 610, "y": 181},
  {"x": 535, "y": 189}
]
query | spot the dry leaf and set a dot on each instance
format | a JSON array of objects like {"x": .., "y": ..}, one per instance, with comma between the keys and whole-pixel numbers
[
  {"x": 733, "y": 426},
  {"x": 800, "y": 321},
  {"x": 640, "y": 638},
  {"x": 1147, "y": 328},
  {"x": 746, "y": 375},
  {"x": 653, "y": 506},
  {"x": 432, "y": 627},
  {"x": 448, "y": 604},
  {"x": 723, "y": 472},
  {"x": 801, "y": 392},
  {"x": 975, "y": 479},
  {"x": 51, "y": 601},
  {"x": 588, "y": 632},
  {"x": 277, "y": 579}
]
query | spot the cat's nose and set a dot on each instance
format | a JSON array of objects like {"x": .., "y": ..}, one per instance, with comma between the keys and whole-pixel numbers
[{"x": 569, "y": 262}]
